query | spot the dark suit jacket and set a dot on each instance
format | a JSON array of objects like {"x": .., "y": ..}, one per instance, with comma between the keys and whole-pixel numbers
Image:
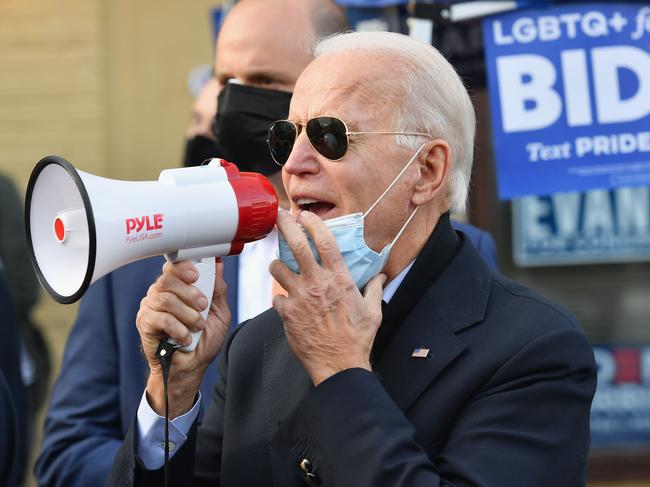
[
  {"x": 9, "y": 436},
  {"x": 13, "y": 454},
  {"x": 503, "y": 400},
  {"x": 104, "y": 373}
]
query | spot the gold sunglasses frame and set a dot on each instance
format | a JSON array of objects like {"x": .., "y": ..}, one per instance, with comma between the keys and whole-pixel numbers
[{"x": 348, "y": 134}]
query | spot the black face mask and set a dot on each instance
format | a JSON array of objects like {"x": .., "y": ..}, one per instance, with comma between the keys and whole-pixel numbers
[
  {"x": 244, "y": 114},
  {"x": 198, "y": 149}
]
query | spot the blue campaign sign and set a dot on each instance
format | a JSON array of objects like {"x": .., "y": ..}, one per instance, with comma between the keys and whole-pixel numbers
[
  {"x": 570, "y": 97},
  {"x": 620, "y": 413},
  {"x": 593, "y": 227}
]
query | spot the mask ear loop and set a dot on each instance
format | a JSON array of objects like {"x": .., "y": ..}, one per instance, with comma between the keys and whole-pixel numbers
[
  {"x": 372, "y": 207},
  {"x": 408, "y": 220}
]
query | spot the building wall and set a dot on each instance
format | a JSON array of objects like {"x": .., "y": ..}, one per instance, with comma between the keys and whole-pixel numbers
[
  {"x": 102, "y": 83},
  {"x": 52, "y": 86}
]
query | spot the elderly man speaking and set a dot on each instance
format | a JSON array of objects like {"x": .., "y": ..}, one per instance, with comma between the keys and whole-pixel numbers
[{"x": 397, "y": 357}]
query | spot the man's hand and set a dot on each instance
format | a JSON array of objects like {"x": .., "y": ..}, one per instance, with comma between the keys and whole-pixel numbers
[
  {"x": 329, "y": 324},
  {"x": 172, "y": 309}
]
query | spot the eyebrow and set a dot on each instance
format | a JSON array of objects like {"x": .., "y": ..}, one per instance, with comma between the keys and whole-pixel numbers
[{"x": 257, "y": 74}]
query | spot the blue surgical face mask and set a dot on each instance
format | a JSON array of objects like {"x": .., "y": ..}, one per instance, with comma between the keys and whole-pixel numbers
[{"x": 348, "y": 230}]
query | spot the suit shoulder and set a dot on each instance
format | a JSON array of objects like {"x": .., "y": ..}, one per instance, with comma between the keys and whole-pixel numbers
[
  {"x": 539, "y": 310},
  {"x": 524, "y": 334},
  {"x": 263, "y": 327}
]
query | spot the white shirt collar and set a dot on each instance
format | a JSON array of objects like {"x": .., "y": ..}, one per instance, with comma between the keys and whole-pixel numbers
[{"x": 391, "y": 287}]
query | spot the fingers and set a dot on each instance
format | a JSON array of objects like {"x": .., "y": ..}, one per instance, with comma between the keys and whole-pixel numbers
[
  {"x": 283, "y": 275},
  {"x": 374, "y": 290},
  {"x": 280, "y": 303},
  {"x": 297, "y": 242},
  {"x": 328, "y": 249},
  {"x": 220, "y": 287},
  {"x": 159, "y": 325},
  {"x": 166, "y": 302},
  {"x": 374, "y": 293},
  {"x": 184, "y": 270},
  {"x": 172, "y": 305},
  {"x": 219, "y": 307},
  {"x": 177, "y": 279}
]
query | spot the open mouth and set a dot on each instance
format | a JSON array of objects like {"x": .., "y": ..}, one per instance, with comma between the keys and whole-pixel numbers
[{"x": 320, "y": 208}]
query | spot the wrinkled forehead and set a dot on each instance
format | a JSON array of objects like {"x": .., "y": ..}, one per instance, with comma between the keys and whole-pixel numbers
[{"x": 361, "y": 87}]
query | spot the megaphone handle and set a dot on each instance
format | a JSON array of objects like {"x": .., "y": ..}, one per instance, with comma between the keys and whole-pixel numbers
[{"x": 207, "y": 269}]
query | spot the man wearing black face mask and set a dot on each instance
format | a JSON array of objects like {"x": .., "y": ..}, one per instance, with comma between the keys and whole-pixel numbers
[
  {"x": 199, "y": 140},
  {"x": 237, "y": 129},
  {"x": 244, "y": 115},
  {"x": 263, "y": 46}
]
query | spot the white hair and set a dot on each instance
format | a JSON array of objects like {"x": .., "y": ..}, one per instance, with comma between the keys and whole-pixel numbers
[{"x": 435, "y": 99}]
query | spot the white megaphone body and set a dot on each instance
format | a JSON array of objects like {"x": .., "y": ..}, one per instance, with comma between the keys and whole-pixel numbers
[{"x": 80, "y": 227}]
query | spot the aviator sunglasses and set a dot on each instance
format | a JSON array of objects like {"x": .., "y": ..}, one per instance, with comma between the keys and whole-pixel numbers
[{"x": 328, "y": 135}]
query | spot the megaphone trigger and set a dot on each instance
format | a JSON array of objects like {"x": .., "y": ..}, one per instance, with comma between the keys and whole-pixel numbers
[{"x": 206, "y": 268}]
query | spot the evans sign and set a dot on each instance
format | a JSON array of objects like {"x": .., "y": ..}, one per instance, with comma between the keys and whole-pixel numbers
[
  {"x": 570, "y": 97},
  {"x": 597, "y": 226}
]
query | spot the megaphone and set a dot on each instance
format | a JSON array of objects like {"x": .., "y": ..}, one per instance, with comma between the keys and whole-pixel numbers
[{"x": 80, "y": 226}]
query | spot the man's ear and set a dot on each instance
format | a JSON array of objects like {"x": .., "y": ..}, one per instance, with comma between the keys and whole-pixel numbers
[{"x": 434, "y": 161}]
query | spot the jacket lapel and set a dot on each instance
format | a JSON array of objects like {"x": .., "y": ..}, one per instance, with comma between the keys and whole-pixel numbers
[
  {"x": 405, "y": 377},
  {"x": 455, "y": 301}
]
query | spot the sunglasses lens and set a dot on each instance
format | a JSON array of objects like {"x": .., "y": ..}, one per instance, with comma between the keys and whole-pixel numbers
[
  {"x": 328, "y": 136},
  {"x": 282, "y": 136}
]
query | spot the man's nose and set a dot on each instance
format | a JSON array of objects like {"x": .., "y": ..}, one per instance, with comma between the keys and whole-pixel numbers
[{"x": 303, "y": 157}]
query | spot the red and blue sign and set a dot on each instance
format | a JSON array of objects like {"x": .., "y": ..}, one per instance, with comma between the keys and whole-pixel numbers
[
  {"x": 620, "y": 413},
  {"x": 570, "y": 97}
]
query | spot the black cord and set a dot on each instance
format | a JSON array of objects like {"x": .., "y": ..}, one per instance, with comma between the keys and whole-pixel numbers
[{"x": 164, "y": 354}]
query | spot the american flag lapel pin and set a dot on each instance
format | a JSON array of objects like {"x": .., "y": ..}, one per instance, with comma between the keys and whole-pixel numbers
[{"x": 420, "y": 353}]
